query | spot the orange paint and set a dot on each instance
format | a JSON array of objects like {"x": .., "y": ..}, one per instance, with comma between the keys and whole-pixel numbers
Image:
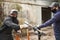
[{"x": 17, "y": 37}]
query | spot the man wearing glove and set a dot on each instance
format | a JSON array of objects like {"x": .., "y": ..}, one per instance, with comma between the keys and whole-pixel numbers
[
  {"x": 55, "y": 20},
  {"x": 9, "y": 23}
]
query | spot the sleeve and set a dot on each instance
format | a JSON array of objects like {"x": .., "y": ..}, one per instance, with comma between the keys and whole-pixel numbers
[
  {"x": 9, "y": 23},
  {"x": 51, "y": 21}
]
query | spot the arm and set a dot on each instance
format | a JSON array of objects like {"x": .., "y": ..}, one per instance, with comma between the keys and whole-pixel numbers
[
  {"x": 51, "y": 21},
  {"x": 8, "y": 22}
]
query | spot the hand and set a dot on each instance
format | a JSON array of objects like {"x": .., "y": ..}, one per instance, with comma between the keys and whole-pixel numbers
[
  {"x": 38, "y": 28},
  {"x": 35, "y": 28}
]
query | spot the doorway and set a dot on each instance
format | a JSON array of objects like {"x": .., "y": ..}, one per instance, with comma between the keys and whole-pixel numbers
[{"x": 46, "y": 14}]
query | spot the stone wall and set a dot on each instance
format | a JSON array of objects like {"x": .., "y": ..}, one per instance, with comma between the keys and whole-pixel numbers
[{"x": 31, "y": 10}]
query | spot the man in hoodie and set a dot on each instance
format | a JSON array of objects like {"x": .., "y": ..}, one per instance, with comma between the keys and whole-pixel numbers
[
  {"x": 55, "y": 20},
  {"x": 9, "y": 23}
]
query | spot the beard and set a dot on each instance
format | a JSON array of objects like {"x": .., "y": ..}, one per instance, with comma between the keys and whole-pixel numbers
[
  {"x": 14, "y": 17},
  {"x": 54, "y": 10}
]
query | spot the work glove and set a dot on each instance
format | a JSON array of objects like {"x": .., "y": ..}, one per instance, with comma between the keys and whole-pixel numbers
[
  {"x": 36, "y": 28},
  {"x": 17, "y": 28},
  {"x": 36, "y": 31}
]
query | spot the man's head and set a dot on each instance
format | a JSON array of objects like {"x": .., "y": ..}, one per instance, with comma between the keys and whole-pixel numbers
[
  {"x": 13, "y": 13},
  {"x": 54, "y": 7}
]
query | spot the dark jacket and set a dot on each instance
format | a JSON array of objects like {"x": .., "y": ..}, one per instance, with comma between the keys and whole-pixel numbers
[
  {"x": 9, "y": 24},
  {"x": 56, "y": 21}
]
